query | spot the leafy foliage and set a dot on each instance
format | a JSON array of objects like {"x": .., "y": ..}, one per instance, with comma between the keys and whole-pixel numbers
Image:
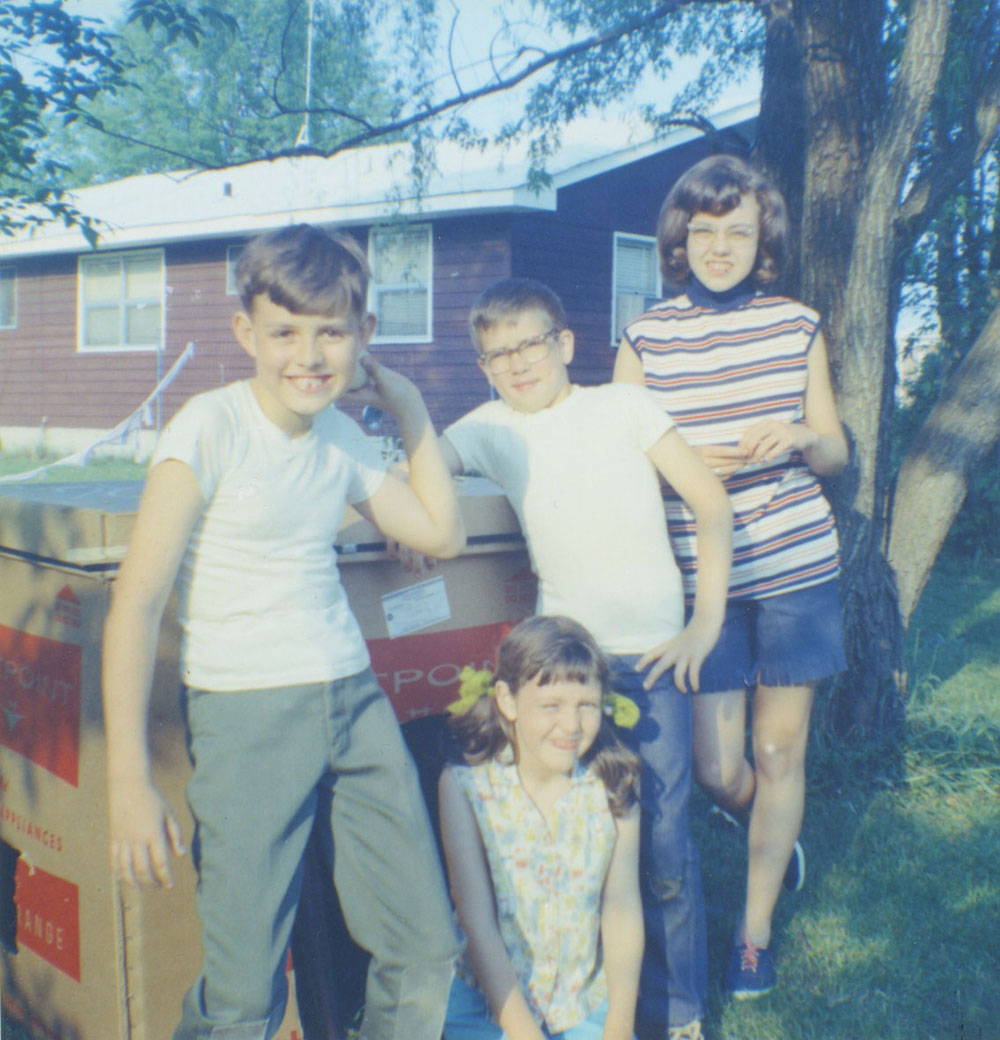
[
  {"x": 630, "y": 43},
  {"x": 50, "y": 62},
  {"x": 226, "y": 85}
]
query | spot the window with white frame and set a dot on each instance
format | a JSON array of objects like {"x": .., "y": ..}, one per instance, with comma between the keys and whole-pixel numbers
[
  {"x": 121, "y": 301},
  {"x": 8, "y": 297},
  {"x": 233, "y": 254},
  {"x": 636, "y": 279},
  {"x": 400, "y": 293}
]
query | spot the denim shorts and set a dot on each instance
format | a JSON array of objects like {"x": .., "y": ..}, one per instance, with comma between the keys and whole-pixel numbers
[
  {"x": 787, "y": 640},
  {"x": 469, "y": 1018}
]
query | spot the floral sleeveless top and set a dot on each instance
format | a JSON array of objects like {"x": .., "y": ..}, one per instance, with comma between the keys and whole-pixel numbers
[{"x": 548, "y": 881}]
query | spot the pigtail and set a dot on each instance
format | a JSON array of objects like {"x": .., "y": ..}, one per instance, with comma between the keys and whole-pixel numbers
[
  {"x": 482, "y": 732},
  {"x": 616, "y": 766}
]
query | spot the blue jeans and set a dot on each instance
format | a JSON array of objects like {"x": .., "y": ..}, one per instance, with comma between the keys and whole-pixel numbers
[
  {"x": 469, "y": 1018},
  {"x": 262, "y": 758},
  {"x": 674, "y": 983}
]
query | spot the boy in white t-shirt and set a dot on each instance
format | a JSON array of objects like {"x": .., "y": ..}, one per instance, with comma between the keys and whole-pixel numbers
[
  {"x": 244, "y": 498},
  {"x": 581, "y": 467}
]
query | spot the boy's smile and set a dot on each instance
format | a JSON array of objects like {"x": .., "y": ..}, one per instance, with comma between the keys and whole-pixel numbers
[
  {"x": 303, "y": 361},
  {"x": 528, "y": 386},
  {"x": 722, "y": 250}
]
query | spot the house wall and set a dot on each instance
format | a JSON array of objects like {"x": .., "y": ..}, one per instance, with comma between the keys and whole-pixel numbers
[
  {"x": 44, "y": 381},
  {"x": 469, "y": 254}
]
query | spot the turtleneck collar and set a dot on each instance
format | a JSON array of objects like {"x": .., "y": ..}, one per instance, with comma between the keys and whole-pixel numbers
[{"x": 727, "y": 300}]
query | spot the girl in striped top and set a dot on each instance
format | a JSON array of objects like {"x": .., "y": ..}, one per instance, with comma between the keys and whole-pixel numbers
[{"x": 744, "y": 374}]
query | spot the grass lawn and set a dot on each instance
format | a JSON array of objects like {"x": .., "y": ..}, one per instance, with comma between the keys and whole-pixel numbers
[
  {"x": 896, "y": 935},
  {"x": 99, "y": 469}
]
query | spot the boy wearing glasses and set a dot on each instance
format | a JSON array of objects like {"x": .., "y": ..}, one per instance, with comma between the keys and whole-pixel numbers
[{"x": 581, "y": 467}]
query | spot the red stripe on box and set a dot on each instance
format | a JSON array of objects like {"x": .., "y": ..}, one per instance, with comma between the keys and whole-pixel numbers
[
  {"x": 40, "y": 701},
  {"x": 48, "y": 917},
  {"x": 420, "y": 672}
]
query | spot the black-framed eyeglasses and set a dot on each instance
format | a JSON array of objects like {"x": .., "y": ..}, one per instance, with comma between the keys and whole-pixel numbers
[{"x": 530, "y": 351}]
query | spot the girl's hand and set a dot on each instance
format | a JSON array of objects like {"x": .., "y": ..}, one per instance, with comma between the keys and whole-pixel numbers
[
  {"x": 685, "y": 653},
  {"x": 617, "y": 1030},
  {"x": 723, "y": 459},
  {"x": 769, "y": 439}
]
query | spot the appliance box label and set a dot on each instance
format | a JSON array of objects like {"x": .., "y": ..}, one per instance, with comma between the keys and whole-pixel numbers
[{"x": 40, "y": 701}]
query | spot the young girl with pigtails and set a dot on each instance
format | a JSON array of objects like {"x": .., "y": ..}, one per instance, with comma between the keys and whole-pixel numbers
[{"x": 540, "y": 829}]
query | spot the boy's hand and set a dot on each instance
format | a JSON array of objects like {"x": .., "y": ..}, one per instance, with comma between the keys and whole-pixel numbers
[
  {"x": 684, "y": 653},
  {"x": 385, "y": 389},
  {"x": 413, "y": 562},
  {"x": 144, "y": 832}
]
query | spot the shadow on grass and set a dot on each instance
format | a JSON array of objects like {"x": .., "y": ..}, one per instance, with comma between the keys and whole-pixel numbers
[
  {"x": 941, "y": 638},
  {"x": 896, "y": 935}
]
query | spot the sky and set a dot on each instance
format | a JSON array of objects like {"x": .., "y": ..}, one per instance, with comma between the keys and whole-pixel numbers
[{"x": 474, "y": 28}]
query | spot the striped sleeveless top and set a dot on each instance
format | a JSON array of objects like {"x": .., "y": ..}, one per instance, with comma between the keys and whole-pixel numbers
[{"x": 718, "y": 363}]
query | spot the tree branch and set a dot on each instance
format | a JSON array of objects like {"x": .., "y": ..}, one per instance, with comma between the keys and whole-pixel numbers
[
  {"x": 951, "y": 164},
  {"x": 463, "y": 97},
  {"x": 961, "y": 428},
  {"x": 868, "y": 291}
]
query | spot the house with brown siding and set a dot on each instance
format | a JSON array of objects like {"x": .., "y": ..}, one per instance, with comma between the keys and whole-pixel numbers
[{"x": 86, "y": 334}]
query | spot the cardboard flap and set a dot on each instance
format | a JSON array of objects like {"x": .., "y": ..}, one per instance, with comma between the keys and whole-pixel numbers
[
  {"x": 485, "y": 509},
  {"x": 88, "y": 523},
  {"x": 81, "y": 523}
]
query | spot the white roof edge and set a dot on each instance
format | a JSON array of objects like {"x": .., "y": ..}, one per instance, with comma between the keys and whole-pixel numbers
[
  {"x": 621, "y": 157},
  {"x": 233, "y": 202},
  {"x": 72, "y": 240}
]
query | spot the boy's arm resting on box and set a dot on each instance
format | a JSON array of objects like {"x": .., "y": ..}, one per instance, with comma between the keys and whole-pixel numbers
[
  {"x": 472, "y": 893},
  {"x": 422, "y": 513},
  {"x": 410, "y": 560},
  {"x": 451, "y": 457},
  {"x": 144, "y": 829},
  {"x": 622, "y": 932},
  {"x": 702, "y": 491}
]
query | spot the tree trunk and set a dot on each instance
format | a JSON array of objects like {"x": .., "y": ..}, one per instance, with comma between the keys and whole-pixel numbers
[
  {"x": 960, "y": 430},
  {"x": 844, "y": 95},
  {"x": 859, "y": 146},
  {"x": 867, "y": 299}
]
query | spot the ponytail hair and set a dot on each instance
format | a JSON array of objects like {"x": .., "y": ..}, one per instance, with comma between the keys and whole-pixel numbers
[{"x": 551, "y": 650}]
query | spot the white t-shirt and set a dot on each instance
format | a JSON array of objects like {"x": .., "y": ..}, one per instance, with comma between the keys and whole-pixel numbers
[
  {"x": 589, "y": 502},
  {"x": 260, "y": 598}
]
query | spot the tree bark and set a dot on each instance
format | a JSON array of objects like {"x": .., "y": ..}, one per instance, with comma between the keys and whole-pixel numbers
[
  {"x": 932, "y": 481},
  {"x": 867, "y": 297},
  {"x": 844, "y": 92}
]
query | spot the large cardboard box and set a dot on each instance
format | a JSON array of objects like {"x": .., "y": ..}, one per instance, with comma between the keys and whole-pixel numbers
[{"x": 85, "y": 959}]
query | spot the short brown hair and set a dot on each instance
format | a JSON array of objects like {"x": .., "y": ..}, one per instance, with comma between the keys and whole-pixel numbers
[
  {"x": 551, "y": 649},
  {"x": 715, "y": 185},
  {"x": 306, "y": 270},
  {"x": 506, "y": 299}
]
